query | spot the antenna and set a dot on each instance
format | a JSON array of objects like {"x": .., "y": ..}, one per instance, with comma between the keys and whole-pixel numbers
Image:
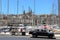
[
  {"x": 29, "y": 8},
  {"x": 53, "y": 8},
  {"x": 53, "y": 12},
  {"x": 23, "y": 9}
]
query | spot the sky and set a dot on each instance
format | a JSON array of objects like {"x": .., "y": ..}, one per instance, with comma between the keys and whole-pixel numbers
[{"x": 41, "y": 6}]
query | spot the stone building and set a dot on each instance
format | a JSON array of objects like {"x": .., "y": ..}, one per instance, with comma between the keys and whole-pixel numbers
[
  {"x": 49, "y": 19},
  {"x": 28, "y": 19}
]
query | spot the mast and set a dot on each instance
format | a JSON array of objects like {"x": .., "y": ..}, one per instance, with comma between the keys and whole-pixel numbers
[
  {"x": 1, "y": 6},
  {"x": 17, "y": 6},
  {"x": 8, "y": 6}
]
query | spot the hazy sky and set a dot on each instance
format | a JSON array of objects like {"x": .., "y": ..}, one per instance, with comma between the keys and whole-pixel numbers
[{"x": 41, "y": 6}]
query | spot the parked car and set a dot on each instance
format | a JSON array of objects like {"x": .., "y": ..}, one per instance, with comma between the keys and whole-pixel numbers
[
  {"x": 22, "y": 30},
  {"x": 55, "y": 29},
  {"x": 17, "y": 30},
  {"x": 38, "y": 32},
  {"x": 14, "y": 31},
  {"x": 5, "y": 31}
]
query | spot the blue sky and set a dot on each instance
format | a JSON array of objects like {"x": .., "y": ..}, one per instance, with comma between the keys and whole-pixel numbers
[{"x": 41, "y": 6}]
